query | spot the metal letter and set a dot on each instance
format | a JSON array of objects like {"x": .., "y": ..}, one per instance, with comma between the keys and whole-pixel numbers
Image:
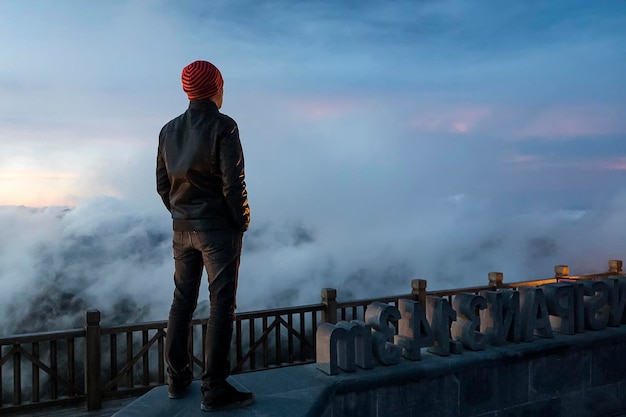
[
  {"x": 467, "y": 326},
  {"x": 535, "y": 318},
  {"x": 377, "y": 315}
]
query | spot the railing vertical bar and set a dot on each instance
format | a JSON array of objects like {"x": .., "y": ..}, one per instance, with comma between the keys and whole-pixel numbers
[
  {"x": 161, "y": 360},
  {"x": 17, "y": 377},
  {"x": 35, "y": 373},
  {"x": 54, "y": 384},
  {"x": 290, "y": 338},
  {"x": 71, "y": 366},
  {"x": 191, "y": 354},
  {"x": 93, "y": 360},
  {"x": 251, "y": 340},
  {"x": 205, "y": 326},
  {"x": 129, "y": 358},
  {"x": 193, "y": 349},
  {"x": 113, "y": 365},
  {"x": 265, "y": 347},
  {"x": 314, "y": 322},
  {"x": 278, "y": 359},
  {"x": 302, "y": 334},
  {"x": 1, "y": 378},
  {"x": 146, "y": 359},
  {"x": 238, "y": 340}
]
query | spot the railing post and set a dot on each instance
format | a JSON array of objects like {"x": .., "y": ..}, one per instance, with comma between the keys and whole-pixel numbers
[
  {"x": 329, "y": 299},
  {"x": 496, "y": 279},
  {"x": 615, "y": 266},
  {"x": 93, "y": 364},
  {"x": 561, "y": 271},
  {"x": 418, "y": 289}
]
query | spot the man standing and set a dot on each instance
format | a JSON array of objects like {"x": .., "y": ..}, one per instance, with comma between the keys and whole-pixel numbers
[{"x": 200, "y": 177}]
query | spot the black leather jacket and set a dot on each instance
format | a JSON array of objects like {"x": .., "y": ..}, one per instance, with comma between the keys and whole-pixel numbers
[{"x": 200, "y": 170}]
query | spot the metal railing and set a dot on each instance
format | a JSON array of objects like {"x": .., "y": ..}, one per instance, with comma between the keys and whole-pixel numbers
[{"x": 96, "y": 363}]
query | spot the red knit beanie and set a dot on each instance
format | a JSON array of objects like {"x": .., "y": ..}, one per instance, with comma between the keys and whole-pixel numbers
[{"x": 201, "y": 80}]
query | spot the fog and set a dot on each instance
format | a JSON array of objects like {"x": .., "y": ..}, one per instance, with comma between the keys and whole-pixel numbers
[{"x": 106, "y": 254}]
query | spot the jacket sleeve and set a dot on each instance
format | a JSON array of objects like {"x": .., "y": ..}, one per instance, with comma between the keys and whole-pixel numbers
[
  {"x": 233, "y": 178},
  {"x": 162, "y": 180}
]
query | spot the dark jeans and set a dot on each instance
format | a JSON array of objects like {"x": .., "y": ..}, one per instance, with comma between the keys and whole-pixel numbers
[{"x": 218, "y": 252}]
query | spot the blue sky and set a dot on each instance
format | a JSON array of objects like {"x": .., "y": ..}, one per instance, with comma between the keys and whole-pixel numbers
[
  {"x": 410, "y": 131},
  {"x": 464, "y": 91}
]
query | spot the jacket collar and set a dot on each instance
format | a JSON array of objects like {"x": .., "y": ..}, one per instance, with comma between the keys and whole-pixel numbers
[{"x": 204, "y": 104}]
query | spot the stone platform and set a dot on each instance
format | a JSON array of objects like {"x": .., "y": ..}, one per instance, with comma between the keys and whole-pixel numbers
[
  {"x": 581, "y": 375},
  {"x": 298, "y": 391}
]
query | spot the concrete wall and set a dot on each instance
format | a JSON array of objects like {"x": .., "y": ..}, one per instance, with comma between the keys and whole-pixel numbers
[{"x": 570, "y": 376}]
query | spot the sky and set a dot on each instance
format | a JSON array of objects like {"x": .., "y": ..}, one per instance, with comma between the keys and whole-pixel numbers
[{"x": 384, "y": 141}]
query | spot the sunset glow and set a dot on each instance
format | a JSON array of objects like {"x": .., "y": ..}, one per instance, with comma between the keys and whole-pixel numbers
[{"x": 37, "y": 188}]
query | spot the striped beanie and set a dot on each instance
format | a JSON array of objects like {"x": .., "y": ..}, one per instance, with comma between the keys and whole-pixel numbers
[{"x": 201, "y": 80}]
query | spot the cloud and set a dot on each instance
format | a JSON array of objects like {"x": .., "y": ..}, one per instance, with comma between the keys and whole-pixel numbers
[
  {"x": 568, "y": 121},
  {"x": 458, "y": 119},
  {"x": 106, "y": 252}
]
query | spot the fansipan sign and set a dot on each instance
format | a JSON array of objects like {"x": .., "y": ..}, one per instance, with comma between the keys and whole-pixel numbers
[{"x": 473, "y": 322}]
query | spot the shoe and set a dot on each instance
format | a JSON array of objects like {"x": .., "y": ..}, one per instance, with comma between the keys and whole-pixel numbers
[
  {"x": 176, "y": 385},
  {"x": 229, "y": 399}
]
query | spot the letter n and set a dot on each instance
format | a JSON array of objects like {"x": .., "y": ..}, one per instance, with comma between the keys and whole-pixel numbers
[
  {"x": 440, "y": 314},
  {"x": 501, "y": 320},
  {"x": 327, "y": 339},
  {"x": 360, "y": 334}
]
